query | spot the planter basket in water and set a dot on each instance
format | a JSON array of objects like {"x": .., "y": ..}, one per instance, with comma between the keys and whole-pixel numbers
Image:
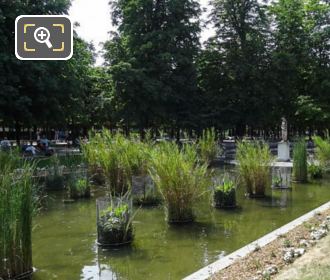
[
  {"x": 114, "y": 223},
  {"x": 281, "y": 178},
  {"x": 144, "y": 191},
  {"x": 223, "y": 199},
  {"x": 78, "y": 185},
  {"x": 179, "y": 215}
]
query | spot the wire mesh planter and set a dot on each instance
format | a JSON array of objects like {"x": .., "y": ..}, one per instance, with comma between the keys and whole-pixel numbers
[
  {"x": 281, "y": 178},
  {"x": 55, "y": 178},
  {"x": 224, "y": 192},
  {"x": 144, "y": 191},
  {"x": 114, "y": 221},
  {"x": 78, "y": 184},
  {"x": 224, "y": 199},
  {"x": 179, "y": 214}
]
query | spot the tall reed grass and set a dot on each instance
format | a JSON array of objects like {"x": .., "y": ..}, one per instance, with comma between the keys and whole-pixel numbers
[
  {"x": 119, "y": 159},
  {"x": 323, "y": 151},
  {"x": 16, "y": 210},
  {"x": 254, "y": 161},
  {"x": 180, "y": 179},
  {"x": 208, "y": 146},
  {"x": 300, "y": 167}
]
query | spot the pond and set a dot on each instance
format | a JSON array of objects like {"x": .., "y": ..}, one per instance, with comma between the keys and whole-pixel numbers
[{"x": 64, "y": 236}]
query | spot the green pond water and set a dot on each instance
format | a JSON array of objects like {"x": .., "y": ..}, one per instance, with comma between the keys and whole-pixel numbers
[{"x": 64, "y": 236}]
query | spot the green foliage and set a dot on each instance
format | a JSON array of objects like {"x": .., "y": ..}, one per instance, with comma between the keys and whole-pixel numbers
[
  {"x": 224, "y": 195},
  {"x": 156, "y": 74},
  {"x": 323, "y": 151},
  {"x": 151, "y": 61},
  {"x": 315, "y": 171},
  {"x": 115, "y": 222},
  {"x": 144, "y": 191},
  {"x": 78, "y": 188},
  {"x": 226, "y": 186},
  {"x": 181, "y": 181},
  {"x": 277, "y": 181},
  {"x": 17, "y": 206},
  {"x": 119, "y": 158},
  {"x": 254, "y": 161},
  {"x": 55, "y": 178},
  {"x": 208, "y": 146},
  {"x": 43, "y": 93},
  {"x": 300, "y": 161}
]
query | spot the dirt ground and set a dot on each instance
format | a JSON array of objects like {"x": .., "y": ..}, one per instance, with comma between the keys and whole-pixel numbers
[{"x": 314, "y": 265}]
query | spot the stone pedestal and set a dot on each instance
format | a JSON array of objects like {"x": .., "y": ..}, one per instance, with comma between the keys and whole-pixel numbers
[{"x": 283, "y": 151}]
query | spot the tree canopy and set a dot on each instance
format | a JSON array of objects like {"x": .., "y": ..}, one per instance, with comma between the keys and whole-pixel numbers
[{"x": 265, "y": 61}]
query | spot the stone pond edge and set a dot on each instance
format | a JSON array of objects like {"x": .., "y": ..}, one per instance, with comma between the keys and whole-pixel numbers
[{"x": 215, "y": 267}]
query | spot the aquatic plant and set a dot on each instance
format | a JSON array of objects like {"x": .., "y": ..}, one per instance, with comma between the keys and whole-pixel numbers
[
  {"x": 55, "y": 178},
  {"x": 180, "y": 180},
  {"x": 224, "y": 194},
  {"x": 315, "y": 171},
  {"x": 16, "y": 210},
  {"x": 119, "y": 158},
  {"x": 254, "y": 161},
  {"x": 322, "y": 151},
  {"x": 300, "y": 170},
  {"x": 277, "y": 181},
  {"x": 78, "y": 187},
  {"x": 208, "y": 146},
  {"x": 114, "y": 221}
]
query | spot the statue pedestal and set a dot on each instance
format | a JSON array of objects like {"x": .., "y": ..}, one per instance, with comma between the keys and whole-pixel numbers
[{"x": 283, "y": 151}]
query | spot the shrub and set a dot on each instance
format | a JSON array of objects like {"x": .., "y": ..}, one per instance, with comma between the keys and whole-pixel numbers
[
  {"x": 254, "y": 161},
  {"x": 180, "y": 180},
  {"x": 300, "y": 161}
]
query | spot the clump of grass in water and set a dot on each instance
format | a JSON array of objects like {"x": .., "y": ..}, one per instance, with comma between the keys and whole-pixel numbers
[
  {"x": 323, "y": 152},
  {"x": 55, "y": 178},
  {"x": 108, "y": 153},
  {"x": 16, "y": 210},
  {"x": 180, "y": 179},
  {"x": 254, "y": 160},
  {"x": 300, "y": 169},
  {"x": 78, "y": 187},
  {"x": 119, "y": 158},
  {"x": 208, "y": 146}
]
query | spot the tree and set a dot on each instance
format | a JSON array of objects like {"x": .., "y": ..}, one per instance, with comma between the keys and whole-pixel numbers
[
  {"x": 152, "y": 60},
  {"x": 235, "y": 61},
  {"x": 39, "y": 93},
  {"x": 300, "y": 60}
]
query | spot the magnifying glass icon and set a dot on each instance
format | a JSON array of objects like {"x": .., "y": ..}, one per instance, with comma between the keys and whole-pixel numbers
[{"x": 41, "y": 35}]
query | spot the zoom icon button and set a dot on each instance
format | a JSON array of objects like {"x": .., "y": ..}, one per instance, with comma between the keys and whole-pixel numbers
[{"x": 43, "y": 37}]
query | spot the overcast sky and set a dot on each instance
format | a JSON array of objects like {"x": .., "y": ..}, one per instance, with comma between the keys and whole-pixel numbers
[{"x": 94, "y": 19}]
